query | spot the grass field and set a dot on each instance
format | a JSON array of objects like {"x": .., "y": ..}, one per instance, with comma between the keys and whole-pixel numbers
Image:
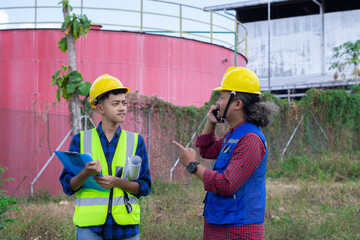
[
  {"x": 307, "y": 198},
  {"x": 295, "y": 210}
]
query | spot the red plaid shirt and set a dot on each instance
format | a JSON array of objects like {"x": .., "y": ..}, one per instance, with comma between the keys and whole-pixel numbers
[{"x": 245, "y": 159}]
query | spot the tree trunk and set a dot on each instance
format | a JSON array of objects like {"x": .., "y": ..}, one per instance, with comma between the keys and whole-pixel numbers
[
  {"x": 74, "y": 104},
  {"x": 356, "y": 75}
]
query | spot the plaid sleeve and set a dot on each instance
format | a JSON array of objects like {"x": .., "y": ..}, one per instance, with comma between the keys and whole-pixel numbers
[
  {"x": 245, "y": 159},
  {"x": 144, "y": 178},
  {"x": 65, "y": 176},
  {"x": 209, "y": 146}
]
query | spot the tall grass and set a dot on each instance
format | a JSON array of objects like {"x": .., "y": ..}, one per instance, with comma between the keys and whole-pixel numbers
[
  {"x": 309, "y": 210},
  {"x": 41, "y": 217},
  {"x": 324, "y": 167},
  {"x": 175, "y": 211},
  {"x": 307, "y": 198},
  {"x": 298, "y": 209}
]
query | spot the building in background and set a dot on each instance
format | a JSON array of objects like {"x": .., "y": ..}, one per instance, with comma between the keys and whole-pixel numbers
[
  {"x": 179, "y": 59},
  {"x": 302, "y": 36}
]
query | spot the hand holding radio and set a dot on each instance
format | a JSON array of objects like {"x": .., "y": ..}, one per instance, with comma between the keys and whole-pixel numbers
[{"x": 213, "y": 114}]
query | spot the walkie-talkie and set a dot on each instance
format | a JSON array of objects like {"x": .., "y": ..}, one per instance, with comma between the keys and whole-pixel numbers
[
  {"x": 118, "y": 171},
  {"x": 216, "y": 114}
]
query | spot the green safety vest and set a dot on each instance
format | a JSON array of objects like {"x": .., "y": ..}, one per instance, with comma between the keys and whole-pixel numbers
[{"x": 92, "y": 206}]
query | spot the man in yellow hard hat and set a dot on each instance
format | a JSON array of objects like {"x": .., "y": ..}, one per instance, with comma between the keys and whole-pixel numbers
[
  {"x": 236, "y": 195},
  {"x": 113, "y": 213}
]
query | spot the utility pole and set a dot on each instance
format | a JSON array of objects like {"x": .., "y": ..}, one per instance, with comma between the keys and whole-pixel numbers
[{"x": 269, "y": 72}]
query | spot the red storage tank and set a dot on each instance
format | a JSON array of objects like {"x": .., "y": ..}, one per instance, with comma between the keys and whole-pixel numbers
[{"x": 177, "y": 70}]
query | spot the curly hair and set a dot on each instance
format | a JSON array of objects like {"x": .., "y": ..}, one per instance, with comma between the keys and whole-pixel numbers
[{"x": 257, "y": 112}]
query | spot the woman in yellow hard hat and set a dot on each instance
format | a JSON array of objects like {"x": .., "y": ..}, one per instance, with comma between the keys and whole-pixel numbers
[
  {"x": 236, "y": 195},
  {"x": 112, "y": 211}
]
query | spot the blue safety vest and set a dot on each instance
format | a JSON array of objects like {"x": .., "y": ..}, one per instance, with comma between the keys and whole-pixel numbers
[{"x": 247, "y": 204}]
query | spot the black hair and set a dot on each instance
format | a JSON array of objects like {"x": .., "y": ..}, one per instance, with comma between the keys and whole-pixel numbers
[
  {"x": 257, "y": 112},
  {"x": 106, "y": 95}
]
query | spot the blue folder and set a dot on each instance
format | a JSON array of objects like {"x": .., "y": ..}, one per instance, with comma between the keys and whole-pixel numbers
[{"x": 74, "y": 163}]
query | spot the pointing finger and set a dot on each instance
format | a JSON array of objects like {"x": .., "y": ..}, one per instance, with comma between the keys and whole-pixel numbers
[{"x": 179, "y": 146}]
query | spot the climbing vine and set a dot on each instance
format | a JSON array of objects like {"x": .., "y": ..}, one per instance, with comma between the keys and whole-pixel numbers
[{"x": 336, "y": 111}]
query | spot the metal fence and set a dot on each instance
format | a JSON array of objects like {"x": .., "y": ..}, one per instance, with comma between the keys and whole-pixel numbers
[{"x": 146, "y": 16}]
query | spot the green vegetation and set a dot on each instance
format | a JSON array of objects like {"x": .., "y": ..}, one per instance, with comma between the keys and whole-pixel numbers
[
  {"x": 313, "y": 192},
  {"x": 326, "y": 167},
  {"x": 296, "y": 209},
  {"x": 346, "y": 55},
  {"x": 307, "y": 198},
  {"x": 70, "y": 83},
  {"x": 330, "y": 125},
  {"x": 310, "y": 210},
  {"x": 7, "y": 203}
]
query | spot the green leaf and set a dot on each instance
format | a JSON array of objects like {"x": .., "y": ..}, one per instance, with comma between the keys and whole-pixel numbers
[
  {"x": 71, "y": 87},
  {"x": 9, "y": 220},
  {"x": 75, "y": 77},
  {"x": 60, "y": 82},
  {"x": 75, "y": 29},
  {"x": 64, "y": 67},
  {"x": 64, "y": 2},
  {"x": 86, "y": 21},
  {"x": 66, "y": 80},
  {"x": 58, "y": 95},
  {"x": 68, "y": 29},
  {"x": 64, "y": 93},
  {"x": 55, "y": 77},
  {"x": 84, "y": 88},
  {"x": 7, "y": 179},
  {"x": 57, "y": 72},
  {"x": 62, "y": 45},
  {"x": 84, "y": 25},
  {"x": 82, "y": 31},
  {"x": 65, "y": 24}
]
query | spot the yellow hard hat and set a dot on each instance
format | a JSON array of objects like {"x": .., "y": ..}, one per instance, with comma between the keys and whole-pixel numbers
[
  {"x": 103, "y": 84},
  {"x": 240, "y": 79}
]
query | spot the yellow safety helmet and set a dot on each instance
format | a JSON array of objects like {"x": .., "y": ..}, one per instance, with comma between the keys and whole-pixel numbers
[
  {"x": 240, "y": 79},
  {"x": 103, "y": 84}
]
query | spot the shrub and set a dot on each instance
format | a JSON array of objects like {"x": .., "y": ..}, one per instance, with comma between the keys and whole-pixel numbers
[{"x": 6, "y": 202}]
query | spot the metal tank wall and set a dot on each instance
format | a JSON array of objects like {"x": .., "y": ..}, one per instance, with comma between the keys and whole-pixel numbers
[{"x": 177, "y": 70}]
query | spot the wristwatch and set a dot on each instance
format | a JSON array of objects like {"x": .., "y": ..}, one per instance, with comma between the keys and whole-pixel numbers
[{"x": 192, "y": 167}]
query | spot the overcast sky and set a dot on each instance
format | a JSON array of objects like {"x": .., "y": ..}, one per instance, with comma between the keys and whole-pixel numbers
[
  {"x": 6, "y": 15},
  {"x": 53, "y": 16}
]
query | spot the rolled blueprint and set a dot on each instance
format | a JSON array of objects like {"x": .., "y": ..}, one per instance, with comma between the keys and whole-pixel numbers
[{"x": 134, "y": 163}]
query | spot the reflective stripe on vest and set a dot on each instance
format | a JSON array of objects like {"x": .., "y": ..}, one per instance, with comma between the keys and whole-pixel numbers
[
  {"x": 91, "y": 206},
  {"x": 91, "y": 201},
  {"x": 103, "y": 201}
]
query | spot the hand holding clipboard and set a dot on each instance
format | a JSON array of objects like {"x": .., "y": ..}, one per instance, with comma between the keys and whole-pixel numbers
[{"x": 75, "y": 162}]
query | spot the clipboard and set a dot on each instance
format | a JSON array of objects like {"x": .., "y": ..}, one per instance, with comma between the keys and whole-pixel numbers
[{"x": 74, "y": 163}]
